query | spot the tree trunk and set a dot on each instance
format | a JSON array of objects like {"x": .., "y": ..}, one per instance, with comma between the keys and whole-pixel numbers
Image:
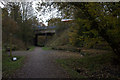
[
  {"x": 117, "y": 49},
  {"x": 115, "y": 46}
]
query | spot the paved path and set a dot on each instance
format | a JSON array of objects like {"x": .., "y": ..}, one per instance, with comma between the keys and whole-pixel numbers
[{"x": 39, "y": 64}]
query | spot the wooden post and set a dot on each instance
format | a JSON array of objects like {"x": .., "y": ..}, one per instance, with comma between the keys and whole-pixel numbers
[
  {"x": 46, "y": 36},
  {"x": 10, "y": 44}
]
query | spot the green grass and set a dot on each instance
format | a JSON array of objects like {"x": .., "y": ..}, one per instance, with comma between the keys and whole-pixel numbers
[
  {"x": 9, "y": 66},
  {"x": 46, "y": 48},
  {"x": 90, "y": 64},
  {"x": 32, "y": 48},
  {"x": 72, "y": 73}
]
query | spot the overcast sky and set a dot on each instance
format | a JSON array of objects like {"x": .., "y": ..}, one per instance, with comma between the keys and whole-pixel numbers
[
  {"x": 46, "y": 16},
  {"x": 1, "y": 5}
]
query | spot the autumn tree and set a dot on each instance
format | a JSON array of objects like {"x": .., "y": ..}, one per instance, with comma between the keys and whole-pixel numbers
[
  {"x": 20, "y": 20},
  {"x": 102, "y": 17}
]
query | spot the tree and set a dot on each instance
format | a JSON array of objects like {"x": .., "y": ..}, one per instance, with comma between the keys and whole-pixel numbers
[
  {"x": 9, "y": 26},
  {"x": 20, "y": 20},
  {"x": 103, "y": 17}
]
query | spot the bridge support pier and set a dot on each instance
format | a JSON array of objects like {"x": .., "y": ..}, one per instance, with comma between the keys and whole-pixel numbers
[
  {"x": 36, "y": 40},
  {"x": 46, "y": 34}
]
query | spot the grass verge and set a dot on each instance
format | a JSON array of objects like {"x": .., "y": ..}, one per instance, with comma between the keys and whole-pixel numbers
[
  {"x": 32, "y": 48},
  {"x": 46, "y": 48},
  {"x": 9, "y": 66},
  {"x": 99, "y": 66}
]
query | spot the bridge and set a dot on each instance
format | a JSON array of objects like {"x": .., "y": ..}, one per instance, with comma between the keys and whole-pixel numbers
[
  {"x": 43, "y": 32},
  {"x": 46, "y": 31}
]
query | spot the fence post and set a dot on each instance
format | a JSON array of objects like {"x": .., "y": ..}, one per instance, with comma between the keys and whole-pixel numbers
[{"x": 10, "y": 44}]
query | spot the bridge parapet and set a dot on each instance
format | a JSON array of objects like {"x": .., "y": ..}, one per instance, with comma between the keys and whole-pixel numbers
[
  {"x": 48, "y": 31},
  {"x": 44, "y": 31}
]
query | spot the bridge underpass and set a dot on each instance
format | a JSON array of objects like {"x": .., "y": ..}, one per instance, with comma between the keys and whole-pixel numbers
[{"x": 41, "y": 37}]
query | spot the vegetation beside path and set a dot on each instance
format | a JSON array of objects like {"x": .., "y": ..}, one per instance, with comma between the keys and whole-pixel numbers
[
  {"x": 97, "y": 66},
  {"x": 9, "y": 66},
  {"x": 46, "y": 48},
  {"x": 94, "y": 63},
  {"x": 31, "y": 48}
]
